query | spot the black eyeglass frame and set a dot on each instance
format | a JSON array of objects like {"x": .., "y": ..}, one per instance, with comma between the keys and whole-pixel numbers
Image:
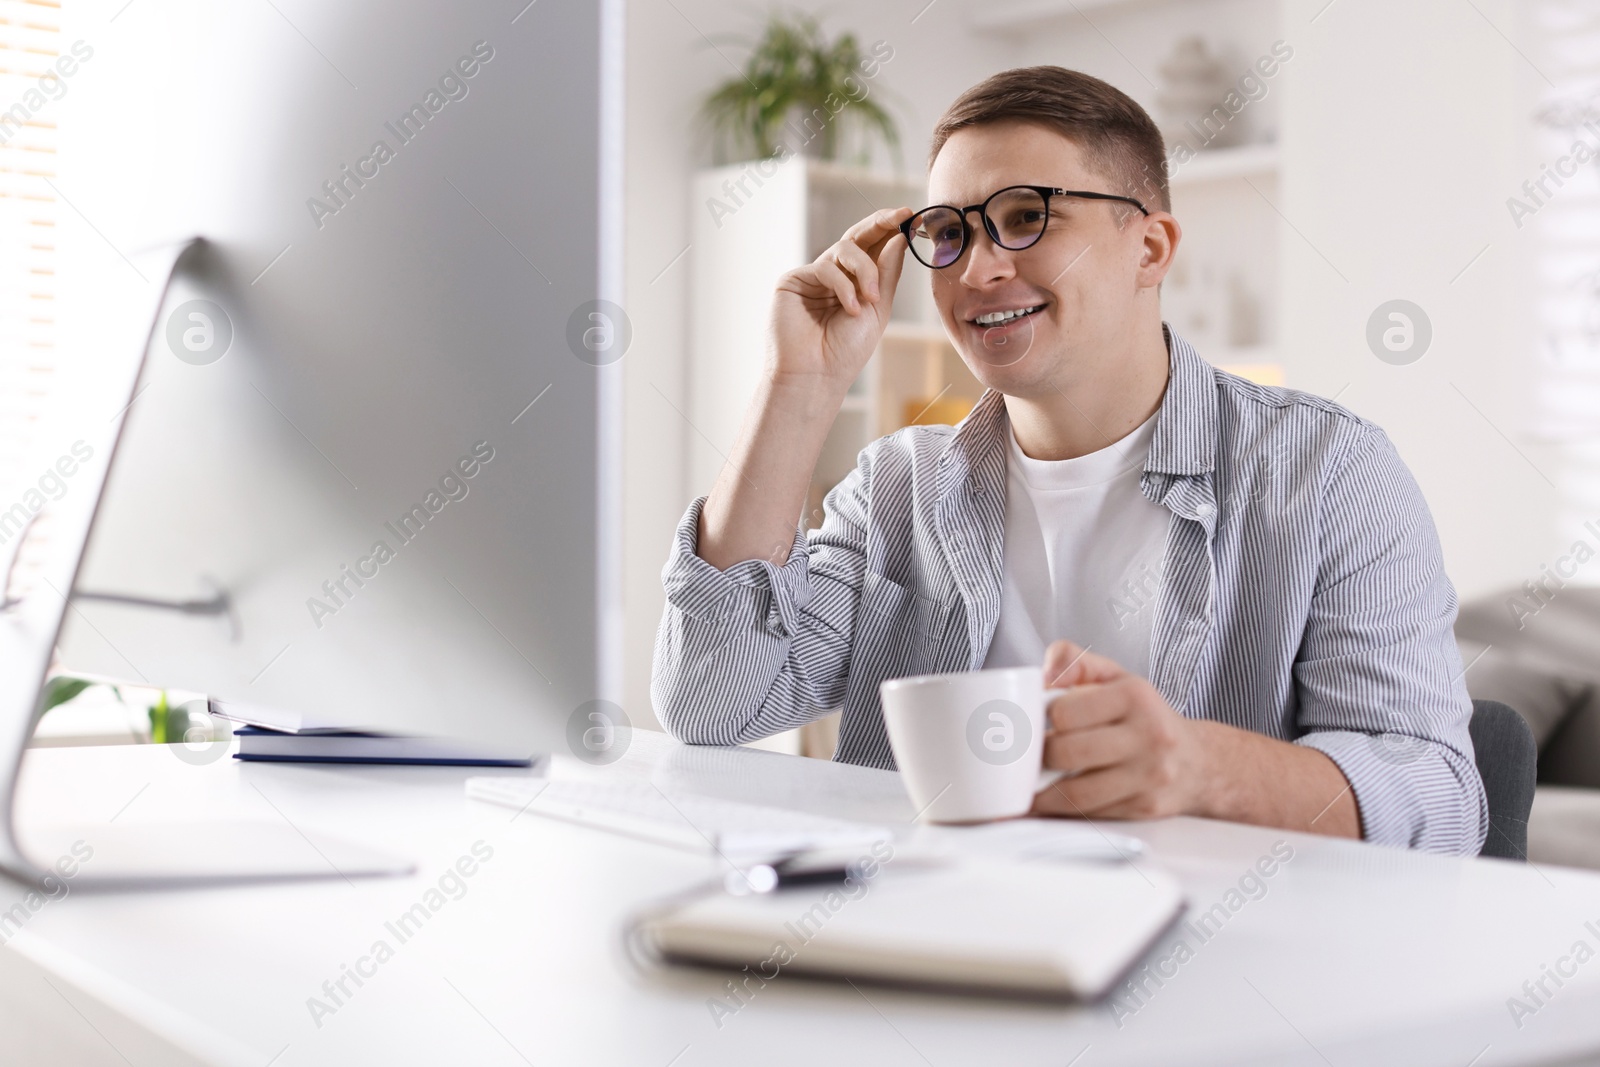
[{"x": 1045, "y": 192}]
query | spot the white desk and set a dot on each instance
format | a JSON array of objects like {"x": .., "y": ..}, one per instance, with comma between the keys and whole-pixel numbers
[{"x": 1355, "y": 955}]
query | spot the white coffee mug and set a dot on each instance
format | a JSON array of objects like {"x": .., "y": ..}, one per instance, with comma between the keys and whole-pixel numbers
[{"x": 970, "y": 745}]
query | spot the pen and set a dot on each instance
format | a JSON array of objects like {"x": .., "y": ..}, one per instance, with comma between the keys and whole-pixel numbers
[{"x": 797, "y": 869}]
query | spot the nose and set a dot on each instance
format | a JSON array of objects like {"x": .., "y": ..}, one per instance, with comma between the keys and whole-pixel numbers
[{"x": 987, "y": 262}]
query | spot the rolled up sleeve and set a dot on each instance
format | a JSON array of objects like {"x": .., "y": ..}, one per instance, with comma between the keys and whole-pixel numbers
[
  {"x": 1379, "y": 673},
  {"x": 746, "y": 652}
]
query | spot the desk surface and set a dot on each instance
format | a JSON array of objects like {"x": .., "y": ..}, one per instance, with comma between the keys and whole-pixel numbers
[{"x": 1350, "y": 954}]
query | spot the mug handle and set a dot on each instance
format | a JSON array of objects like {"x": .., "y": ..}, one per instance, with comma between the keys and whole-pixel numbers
[{"x": 1049, "y": 778}]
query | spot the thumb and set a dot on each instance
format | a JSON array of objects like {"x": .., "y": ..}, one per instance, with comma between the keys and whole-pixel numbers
[{"x": 1067, "y": 664}]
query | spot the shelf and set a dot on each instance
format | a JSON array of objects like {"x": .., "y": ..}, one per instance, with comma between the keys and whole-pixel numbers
[
  {"x": 832, "y": 173},
  {"x": 1231, "y": 354},
  {"x": 1227, "y": 164},
  {"x": 1253, "y": 364},
  {"x": 1021, "y": 16},
  {"x": 915, "y": 331}
]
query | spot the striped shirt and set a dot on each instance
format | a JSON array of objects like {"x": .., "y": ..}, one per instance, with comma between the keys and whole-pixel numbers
[{"x": 1303, "y": 596}]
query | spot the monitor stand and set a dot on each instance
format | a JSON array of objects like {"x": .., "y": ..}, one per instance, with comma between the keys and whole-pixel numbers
[
  {"x": 133, "y": 855},
  {"x": 156, "y": 855}
]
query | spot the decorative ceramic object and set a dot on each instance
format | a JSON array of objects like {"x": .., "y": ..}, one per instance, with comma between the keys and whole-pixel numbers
[{"x": 1194, "y": 85}]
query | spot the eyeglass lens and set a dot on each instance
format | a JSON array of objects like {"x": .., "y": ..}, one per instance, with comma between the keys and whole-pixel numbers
[{"x": 1014, "y": 219}]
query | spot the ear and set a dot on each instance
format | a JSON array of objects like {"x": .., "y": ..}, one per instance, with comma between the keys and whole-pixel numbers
[{"x": 1160, "y": 235}]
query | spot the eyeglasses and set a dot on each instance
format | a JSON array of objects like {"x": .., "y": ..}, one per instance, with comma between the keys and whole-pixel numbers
[{"x": 1014, "y": 219}]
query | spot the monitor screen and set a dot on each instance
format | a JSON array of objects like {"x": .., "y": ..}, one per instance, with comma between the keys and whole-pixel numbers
[{"x": 368, "y": 470}]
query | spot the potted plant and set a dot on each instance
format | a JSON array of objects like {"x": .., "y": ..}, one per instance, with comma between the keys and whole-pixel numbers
[
  {"x": 168, "y": 724},
  {"x": 796, "y": 93}
]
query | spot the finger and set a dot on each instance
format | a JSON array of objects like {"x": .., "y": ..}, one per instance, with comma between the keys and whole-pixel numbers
[
  {"x": 891, "y": 260},
  {"x": 803, "y": 282},
  {"x": 1089, "y": 796},
  {"x": 1087, "y": 706},
  {"x": 891, "y": 235},
  {"x": 1080, "y": 751},
  {"x": 872, "y": 232},
  {"x": 842, "y": 285},
  {"x": 855, "y": 261},
  {"x": 1068, "y": 664}
]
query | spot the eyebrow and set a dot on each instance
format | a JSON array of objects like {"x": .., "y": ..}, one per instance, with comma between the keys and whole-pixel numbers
[{"x": 960, "y": 201}]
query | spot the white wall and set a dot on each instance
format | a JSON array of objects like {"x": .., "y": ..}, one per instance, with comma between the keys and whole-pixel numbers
[
  {"x": 1557, "y": 257},
  {"x": 1402, "y": 127}
]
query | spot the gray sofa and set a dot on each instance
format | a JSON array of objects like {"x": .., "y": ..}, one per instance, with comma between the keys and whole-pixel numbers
[{"x": 1540, "y": 653}]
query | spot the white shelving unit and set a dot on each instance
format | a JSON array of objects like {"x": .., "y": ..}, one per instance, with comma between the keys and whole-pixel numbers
[
  {"x": 1227, "y": 164},
  {"x": 1022, "y": 16},
  {"x": 1221, "y": 294}
]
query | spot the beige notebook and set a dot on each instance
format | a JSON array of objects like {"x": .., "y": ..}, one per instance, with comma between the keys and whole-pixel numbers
[{"x": 1043, "y": 929}]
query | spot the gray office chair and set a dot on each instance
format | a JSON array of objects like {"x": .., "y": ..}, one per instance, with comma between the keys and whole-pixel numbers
[{"x": 1508, "y": 763}]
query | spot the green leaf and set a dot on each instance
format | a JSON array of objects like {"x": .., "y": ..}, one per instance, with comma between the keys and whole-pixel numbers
[
  {"x": 792, "y": 68},
  {"x": 61, "y": 689},
  {"x": 160, "y": 720}
]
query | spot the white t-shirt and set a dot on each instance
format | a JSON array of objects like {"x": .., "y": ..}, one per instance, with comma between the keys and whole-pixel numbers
[{"x": 1083, "y": 555}]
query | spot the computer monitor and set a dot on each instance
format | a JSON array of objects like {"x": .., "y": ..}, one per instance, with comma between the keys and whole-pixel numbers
[{"x": 373, "y": 454}]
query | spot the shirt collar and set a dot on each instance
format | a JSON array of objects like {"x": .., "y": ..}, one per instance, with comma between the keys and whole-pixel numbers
[
  {"x": 1186, "y": 426},
  {"x": 1185, "y": 440}
]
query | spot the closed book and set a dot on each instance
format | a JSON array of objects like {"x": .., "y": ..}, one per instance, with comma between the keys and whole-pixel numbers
[
  {"x": 279, "y": 720},
  {"x": 361, "y": 746},
  {"x": 1054, "y": 930}
]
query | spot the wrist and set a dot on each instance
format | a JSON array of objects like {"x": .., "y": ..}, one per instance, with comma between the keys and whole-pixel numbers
[
  {"x": 1212, "y": 794},
  {"x": 813, "y": 395}
]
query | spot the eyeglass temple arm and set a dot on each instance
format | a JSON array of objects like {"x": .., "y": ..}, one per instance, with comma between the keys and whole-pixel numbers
[{"x": 1101, "y": 196}]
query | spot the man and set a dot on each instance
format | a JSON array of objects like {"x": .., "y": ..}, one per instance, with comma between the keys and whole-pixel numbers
[{"x": 1240, "y": 585}]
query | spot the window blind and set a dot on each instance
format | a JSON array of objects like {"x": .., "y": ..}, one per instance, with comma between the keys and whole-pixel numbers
[{"x": 30, "y": 41}]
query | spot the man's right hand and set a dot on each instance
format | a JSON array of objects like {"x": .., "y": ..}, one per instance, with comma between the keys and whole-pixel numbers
[
  {"x": 826, "y": 320},
  {"x": 827, "y": 316}
]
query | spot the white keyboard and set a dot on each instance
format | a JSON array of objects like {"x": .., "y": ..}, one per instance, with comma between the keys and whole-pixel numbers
[{"x": 700, "y": 823}]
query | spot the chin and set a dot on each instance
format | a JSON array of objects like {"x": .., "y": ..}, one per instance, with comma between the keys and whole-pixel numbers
[
  {"x": 1022, "y": 379},
  {"x": 1016, "y": 365}
]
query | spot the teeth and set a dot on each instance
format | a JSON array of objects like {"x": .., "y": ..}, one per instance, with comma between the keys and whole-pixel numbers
[{"x": 994, "y": 318}]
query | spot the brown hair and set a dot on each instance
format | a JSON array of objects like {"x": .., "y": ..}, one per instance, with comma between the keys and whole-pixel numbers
[{"x": 1121, "y": 141}]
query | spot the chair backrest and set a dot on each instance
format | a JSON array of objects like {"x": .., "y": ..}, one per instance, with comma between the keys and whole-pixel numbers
[{"x": 1508, "y": 762}]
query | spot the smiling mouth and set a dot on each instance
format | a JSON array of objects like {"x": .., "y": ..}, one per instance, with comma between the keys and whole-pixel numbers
[{"x": 1000, "y": 318}]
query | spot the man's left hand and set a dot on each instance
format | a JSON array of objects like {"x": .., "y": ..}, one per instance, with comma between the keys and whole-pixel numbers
[{"x": 1128, "y": 754}]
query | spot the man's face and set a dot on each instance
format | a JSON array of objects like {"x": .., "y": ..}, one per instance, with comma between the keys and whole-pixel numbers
[{"x": 1083, "y": 277}]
